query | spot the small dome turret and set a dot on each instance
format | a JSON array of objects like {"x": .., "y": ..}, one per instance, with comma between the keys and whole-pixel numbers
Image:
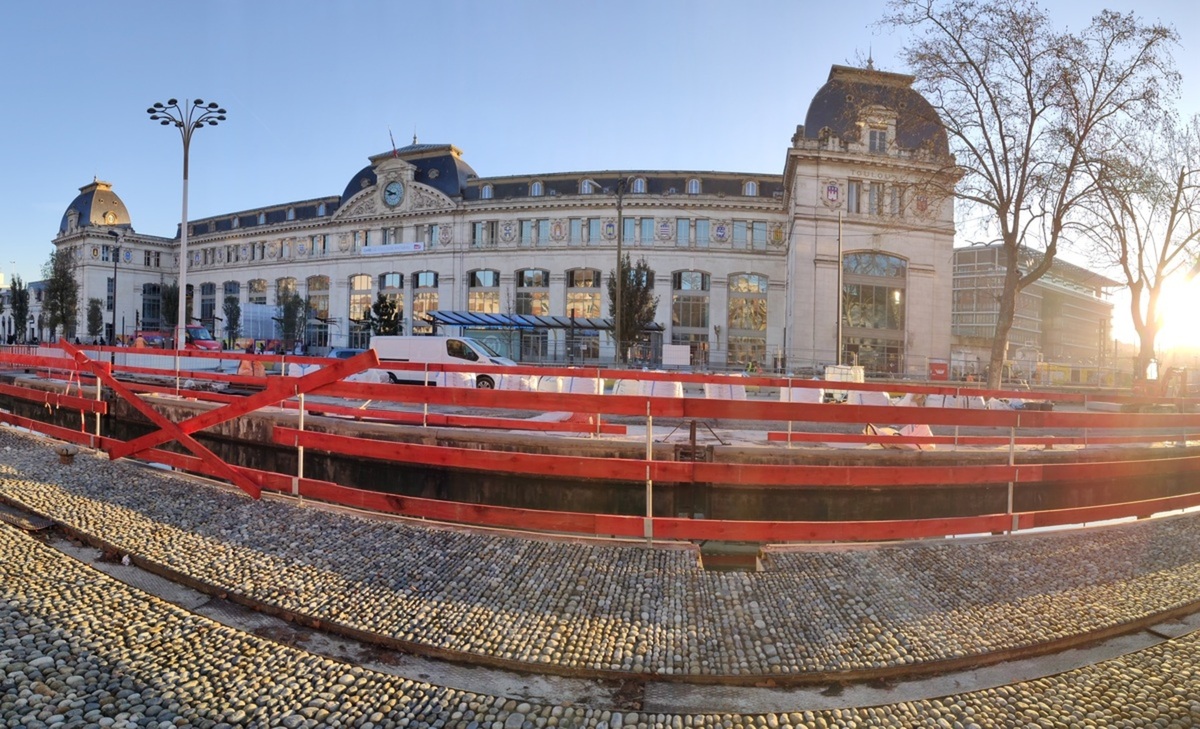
[{"x": 96, "y": 205}]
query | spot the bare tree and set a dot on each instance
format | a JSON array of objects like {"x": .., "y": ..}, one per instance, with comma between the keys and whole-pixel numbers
[
  {"x": 1145, "y": 218},
  {"x": 1025, "y": 105}
]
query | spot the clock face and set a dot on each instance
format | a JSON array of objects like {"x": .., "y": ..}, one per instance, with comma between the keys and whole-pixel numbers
[{"x": 393, "y": 194}]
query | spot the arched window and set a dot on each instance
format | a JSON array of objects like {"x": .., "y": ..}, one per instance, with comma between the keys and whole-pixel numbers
[
  {"x": 208, "y": 304},
  {"x": 533, "y": 298},
  {"x": 262, "y": 218},
  {"x": 256, "y": 288},
  {"x": 230, "y": 291},
  {"x": 151, "y": 306},
  {"x": 693, "y": 186},
  {"x": 486, "y": 192},
  {"x": 483, "y": 291},
  {"x": 750, "y": 188},
  {"x": 425, "y": 300},
  {"x": 874, "y": 293},
  {"x": 588, "y": 187},
  {"x": 533, "y": 292},
  {"x": 291, "y": 213},
  {"x": 321, "y": 209},
  {"x": 318, "y": 311},
  {"x": 747, "y": 319},
  {"x": 537, "y": 189},
  {"x": 639, "y": 186},
  {"x": 359, "y": 328},
  {"x": 690, "y": 312},
  {"x": 583, "y": 302}
]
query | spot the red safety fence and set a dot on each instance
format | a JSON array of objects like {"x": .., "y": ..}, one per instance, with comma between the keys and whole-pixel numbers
[{"x": 587, "y": 414}]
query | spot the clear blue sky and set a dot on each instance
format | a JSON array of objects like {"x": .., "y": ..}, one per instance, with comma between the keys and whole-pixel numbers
[{"x": 311, "y": 88}]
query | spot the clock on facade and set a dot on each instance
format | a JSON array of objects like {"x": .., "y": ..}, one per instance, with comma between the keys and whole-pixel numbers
[{"x": 393, "y": 193}]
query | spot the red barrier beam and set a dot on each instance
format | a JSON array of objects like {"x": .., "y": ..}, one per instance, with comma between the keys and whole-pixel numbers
[
  {"x": 975, "y": 440},
  {"x": 635, "y": 470},
  {"x": 172, "y": 431},
  {"x": 277, "y": 390},
  {"x": 58, "y": 432},
  {"x": 449, "y": 420},
  {"x": 676, "y": 528},
  {"x": 55, "y": 400}
]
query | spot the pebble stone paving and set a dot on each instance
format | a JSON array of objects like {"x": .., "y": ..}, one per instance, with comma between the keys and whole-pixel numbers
[{"x": 78, "y": 649}]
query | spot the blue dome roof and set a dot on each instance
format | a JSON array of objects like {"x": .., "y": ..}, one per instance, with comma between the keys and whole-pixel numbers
[
  {"x": 96, "y": 205},
  {"x": 849, "y": 91},
  {"x": 439, "y": 166}
]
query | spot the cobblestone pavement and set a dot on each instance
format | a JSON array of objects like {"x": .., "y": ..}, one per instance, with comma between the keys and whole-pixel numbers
[{"x": 75, "y": 641}]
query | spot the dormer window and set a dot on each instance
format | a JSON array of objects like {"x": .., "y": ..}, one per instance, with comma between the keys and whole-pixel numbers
[
  {"x": 877, "y": 141},
  {"x": 321, "y": 210},
  {"x": 291, "y": 213},
  {"x": 236, "y": 222},
  {"x": 486, "y": 192},
  {"x": 750, "y": 188},
  {"x": 693, "y": 186},
  {"x": 639, "y": 186},
  {"x": 537, "y": 189},
  {"x": 262, "y": 218},
  {"x": 588, "y": 187}
]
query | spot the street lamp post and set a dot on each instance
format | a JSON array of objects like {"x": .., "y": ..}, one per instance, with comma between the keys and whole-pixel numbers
[
  {"x": 187, "y": 119},
  {"x": 618, "y": 283},
  {"x": 116, "y": 254}
]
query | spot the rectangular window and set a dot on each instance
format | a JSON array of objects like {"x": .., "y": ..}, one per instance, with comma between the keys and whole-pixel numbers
[
  {"x": 689, "y": 311},
  {"x": 897, "y": 201},
  {"x": 647, "y": 238},
  {"x": 878, "y": 141},
  {"x": 543, "y": 233},
  {"x": 431, "y": 237},
  {"x": 584, "y": 304},
  {"x": 533, "y": 302},
  {"x": 478, "y": 235},
  {"x": 483, "y": 301},
  {"x": 593, "y": 228},
  {"x": 683, "y": 230},
  {"x": 739, "y": 234},
  {"x": 702, "y": 233},
  {"x": 875, "y": 199},
  {"x": 629, "y": 235},
  {"x": 527, "y": 232},
  {"x": 576, "y": 231},
  {"x": 854, "y": 196},
  {"x": 759, "y": 236}
]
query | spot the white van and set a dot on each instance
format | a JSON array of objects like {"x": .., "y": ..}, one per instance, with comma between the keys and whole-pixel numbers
[{"x": 437, "y": 350}]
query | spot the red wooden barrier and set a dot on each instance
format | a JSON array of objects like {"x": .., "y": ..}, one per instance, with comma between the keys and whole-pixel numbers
[{"x": 327, "y": 382}]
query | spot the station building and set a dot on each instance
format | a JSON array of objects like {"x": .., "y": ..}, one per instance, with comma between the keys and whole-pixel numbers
[{"x": 745, "y": 264}]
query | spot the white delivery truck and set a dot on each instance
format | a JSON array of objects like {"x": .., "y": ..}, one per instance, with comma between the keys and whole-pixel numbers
[{"x": 438, "y": 350}]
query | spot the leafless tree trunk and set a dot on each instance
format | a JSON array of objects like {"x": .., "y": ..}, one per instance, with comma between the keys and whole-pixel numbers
[{"x": 1025, "y": 105}]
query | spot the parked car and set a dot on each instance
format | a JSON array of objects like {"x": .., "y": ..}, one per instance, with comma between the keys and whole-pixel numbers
[{"x": 344, "y": 352}]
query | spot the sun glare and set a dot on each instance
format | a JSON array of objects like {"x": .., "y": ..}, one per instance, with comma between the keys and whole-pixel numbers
[{"x": 1179, "y": 308}]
